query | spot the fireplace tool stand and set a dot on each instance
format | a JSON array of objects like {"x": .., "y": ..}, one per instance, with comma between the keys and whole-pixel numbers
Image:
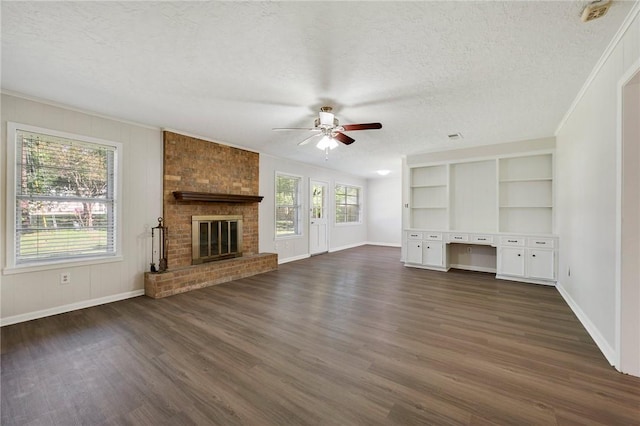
[{"x": 162, "y": 246}]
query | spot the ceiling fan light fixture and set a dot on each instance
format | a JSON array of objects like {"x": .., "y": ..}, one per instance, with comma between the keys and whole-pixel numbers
[
  {"x": 326, "y": 143},
  {"x": 326, "y": 119}
]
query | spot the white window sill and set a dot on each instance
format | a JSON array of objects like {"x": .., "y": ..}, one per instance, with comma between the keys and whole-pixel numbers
[{"x": 20, "y": 269}]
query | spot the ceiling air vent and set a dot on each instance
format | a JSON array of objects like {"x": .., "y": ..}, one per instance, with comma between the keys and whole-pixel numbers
[
  {"x": 595, "y": 10},
  {"x": 455, "y": 136}
]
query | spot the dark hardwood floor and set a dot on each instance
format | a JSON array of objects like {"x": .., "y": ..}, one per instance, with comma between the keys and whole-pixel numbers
[{"x": 345, "y": 338}]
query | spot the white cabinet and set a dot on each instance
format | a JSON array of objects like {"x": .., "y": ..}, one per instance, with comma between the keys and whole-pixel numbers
[
  {"x": 540, "y": 264},
  {"x": 425, "y": 249},
  {"x": 506, "y": 202},
  {"x": 511, "y": 261},
  {"x": 432, "y": 253},
  {"x": 528, "y": 263},
  {"x": 414, "y": 251}
]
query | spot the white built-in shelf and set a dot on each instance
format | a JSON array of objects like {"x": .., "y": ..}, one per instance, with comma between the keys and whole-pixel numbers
[
  {"x": 429, "y": 196},
  {"x": 542, "y": 179},
  {"x": 527, "y": 206},
  {"x": 506, "y": 194},
  {"x": 429, "y": 186}
]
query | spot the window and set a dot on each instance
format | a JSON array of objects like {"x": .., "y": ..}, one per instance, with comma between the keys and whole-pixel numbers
[
  {"x": 348, "y": 199},
  {"x": 287, "y": 205},
  {"x": 64, "y": 196}
]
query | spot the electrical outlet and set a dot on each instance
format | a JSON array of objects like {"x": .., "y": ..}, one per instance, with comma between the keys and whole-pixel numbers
[{"x": 65, "y": 278}]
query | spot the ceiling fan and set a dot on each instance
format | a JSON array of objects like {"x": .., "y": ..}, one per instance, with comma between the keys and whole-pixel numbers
[{"x": 327, "y": 126}]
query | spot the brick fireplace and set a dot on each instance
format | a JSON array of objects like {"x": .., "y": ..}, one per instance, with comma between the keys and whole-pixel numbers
[{"x": 203, "y": 178}]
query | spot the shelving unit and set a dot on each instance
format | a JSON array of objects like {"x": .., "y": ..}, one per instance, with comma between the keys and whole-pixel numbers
[
  {"x": 429, "y": 197},
  {"x": 500, "y": 209},
  {"x": 526, "y": 194}
]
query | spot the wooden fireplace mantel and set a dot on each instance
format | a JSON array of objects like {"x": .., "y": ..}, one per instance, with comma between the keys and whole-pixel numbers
[{"x": 216, "y": 198}]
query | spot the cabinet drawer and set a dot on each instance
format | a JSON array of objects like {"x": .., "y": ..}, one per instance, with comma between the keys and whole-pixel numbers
[
  {"x": 434, "y": 236},
  {"x": 458, "y": 238},
  {"x": 482, "y": 239},
  {"x": 414, "y": 235},
  {"x": 540, "y": 242},
  {"x": 512, "y": 241}
]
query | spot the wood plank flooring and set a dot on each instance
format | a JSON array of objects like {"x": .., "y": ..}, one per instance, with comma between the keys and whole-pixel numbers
[{"x": 351, "y": 337}]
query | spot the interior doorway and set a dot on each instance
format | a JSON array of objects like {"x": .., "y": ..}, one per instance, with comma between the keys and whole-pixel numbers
[
  {"x": 318, "y": 230},
  {"x": 628, "y": 282}
]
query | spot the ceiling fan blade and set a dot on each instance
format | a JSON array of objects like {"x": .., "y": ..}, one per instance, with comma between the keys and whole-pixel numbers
[
  {"x": 365, "y": 126},
  {"x": 296, "y": 128},
  {"x": 343, "y": 138},
  {"x": 307, "y": 140}
]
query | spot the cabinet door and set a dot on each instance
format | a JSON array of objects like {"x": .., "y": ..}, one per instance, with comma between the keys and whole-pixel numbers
[
  {"x": 540, "y": 264},
  {"x": 414, "y": 251},
  {"x": 511, "y": 261},
  {"x": 432, "y": 253}
]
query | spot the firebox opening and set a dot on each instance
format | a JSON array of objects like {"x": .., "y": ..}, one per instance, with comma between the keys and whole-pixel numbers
[{"x": 215, "y": 238}]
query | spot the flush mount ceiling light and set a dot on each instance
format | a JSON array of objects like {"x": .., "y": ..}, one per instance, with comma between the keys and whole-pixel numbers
[{"x": 383, "y": 172}]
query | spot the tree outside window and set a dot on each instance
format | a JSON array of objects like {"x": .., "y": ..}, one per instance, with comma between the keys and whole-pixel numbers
[
  {"x": 348, "y": 208},
  {"x": 287, "y": 205},
  {"x": 64, "y": 198}
]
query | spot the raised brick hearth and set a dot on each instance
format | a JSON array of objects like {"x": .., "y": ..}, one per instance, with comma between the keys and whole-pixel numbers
[
  {"x": 179, "y": 280},
  {"x": 197, "y": 165}
]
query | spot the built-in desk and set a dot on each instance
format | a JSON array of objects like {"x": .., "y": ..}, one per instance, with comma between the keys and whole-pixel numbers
[{"x": 516, "y": 257}]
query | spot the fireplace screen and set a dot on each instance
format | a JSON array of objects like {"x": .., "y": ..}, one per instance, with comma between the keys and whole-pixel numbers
[{"x": 216, "y": 238}]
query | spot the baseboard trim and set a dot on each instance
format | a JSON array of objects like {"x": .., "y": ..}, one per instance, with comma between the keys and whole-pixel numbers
[
  {"x": 293, "y": 258},
  {"x": 350, "y": 246},
  {"x": 601, "y": 342},
  {"x": 70, "y": 307},
  {"x": 473, "y": 268},
  {"x": 525, "y": 280},
  {"x": 431, "y": 268},
  {"x": 371, "y": 243}
]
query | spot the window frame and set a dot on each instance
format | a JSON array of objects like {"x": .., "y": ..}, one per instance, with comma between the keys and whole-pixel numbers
[
  {"x": 360, "y": 204},
  {"x": 300, "y": 206},
  {"x": 11, "y": 264}
]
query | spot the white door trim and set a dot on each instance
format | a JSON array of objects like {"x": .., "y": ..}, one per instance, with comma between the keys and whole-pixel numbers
[
  {"x": 625, "y": 312},
  {"x": 325, "y": 214}
]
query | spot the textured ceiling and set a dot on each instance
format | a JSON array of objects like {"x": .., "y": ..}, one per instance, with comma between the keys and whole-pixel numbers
[{"x": 231, "y": 71}]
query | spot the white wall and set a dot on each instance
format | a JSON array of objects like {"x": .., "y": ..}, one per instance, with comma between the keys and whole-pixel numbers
[
  {"x": 629, "y": 225},
  {"x": 292, "y": 248},
  {"x": 35, "y": 294},
  {"x": 586, "y": 184},
  {"x": 384, "y": 208},
  {"x": 30, "y": 295}
]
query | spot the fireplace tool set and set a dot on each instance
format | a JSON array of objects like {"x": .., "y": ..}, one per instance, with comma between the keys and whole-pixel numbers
[{"x": 161, "y": 248}]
